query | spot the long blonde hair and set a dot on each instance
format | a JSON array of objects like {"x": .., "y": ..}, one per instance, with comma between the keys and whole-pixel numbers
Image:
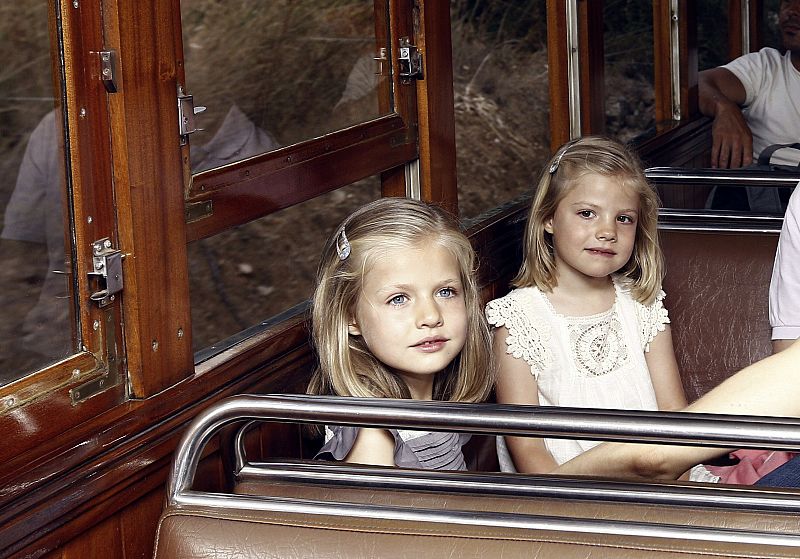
[
  {"x": 346, "y": 365},
  {"x": 644, "y": 271}
]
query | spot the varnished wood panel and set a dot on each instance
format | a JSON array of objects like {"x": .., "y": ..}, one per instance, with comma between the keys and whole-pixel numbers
[
  {"x": 687, "y": 62},
  {"x": 138, "y": 525},
  {"x": 678, "y": 145},
  {"x": 100, "y": 541},
  {"x": 89, "y": 157},
  {"x": 690, "y": 107},
  {"x": 592, "y": 66},
  {"x": 111, "y": 459},
  {"x": 662, "y": 59},
  {"x": 437, "y": 136},
  {"x": 557, "y": 58},
  {"x": 148, "y": 175},
  {"x": 128, "y": 534},
  {"x": 263, "y": 185},
  {"x": 735, "y": 46}
]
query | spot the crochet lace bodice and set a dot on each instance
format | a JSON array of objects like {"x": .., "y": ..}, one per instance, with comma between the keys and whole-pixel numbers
[{"x": 582, "y": 361}]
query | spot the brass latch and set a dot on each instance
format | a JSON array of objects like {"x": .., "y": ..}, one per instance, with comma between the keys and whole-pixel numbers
[
  {"x": 186, "y": 112},
  {"x": 410, "y": 61},
  {"x": 106, "y": 272},
  {"x": 108, "y": 70}
]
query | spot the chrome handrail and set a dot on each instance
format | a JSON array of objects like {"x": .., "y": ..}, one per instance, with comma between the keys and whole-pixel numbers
[
  {"x": 688, "y": 429},
  {"x": 720, "y": 177},
  {"x": 522, "y": 485},
  {"x": 638, "y": 426},
  {"x": 718, "y": 221},
  {"x": 490, "y": 519}
]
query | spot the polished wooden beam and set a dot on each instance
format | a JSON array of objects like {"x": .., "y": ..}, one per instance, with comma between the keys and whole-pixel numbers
[
  {"x": 667, "y": 106},
  {"x": 592, "y": 66},
  {"x": 270, "y": 182},
  {"x": 557, "y": 57},
  {"x": 148, "y": 174},
  {"x": 437, "y": 142}
]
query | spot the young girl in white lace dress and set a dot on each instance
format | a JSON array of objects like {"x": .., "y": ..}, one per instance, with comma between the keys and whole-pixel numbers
[
  {"x": 586, "y": 325},
  {"x": 397, "y": 314}
]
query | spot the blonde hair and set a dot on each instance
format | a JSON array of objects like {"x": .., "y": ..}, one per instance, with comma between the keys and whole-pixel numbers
[
  {"x": 346, "y": 365},
  {"x": 644, "y": 271}
]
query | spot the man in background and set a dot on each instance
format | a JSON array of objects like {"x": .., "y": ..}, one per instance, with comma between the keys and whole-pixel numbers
[{"x": 755, "y": 103}]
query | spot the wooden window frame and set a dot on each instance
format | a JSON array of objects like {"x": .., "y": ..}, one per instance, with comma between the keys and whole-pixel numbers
[{"x": 99, "y": 453}]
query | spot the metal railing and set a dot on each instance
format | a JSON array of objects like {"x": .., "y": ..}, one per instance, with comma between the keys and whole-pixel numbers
[{"x": 722, "y": 431}]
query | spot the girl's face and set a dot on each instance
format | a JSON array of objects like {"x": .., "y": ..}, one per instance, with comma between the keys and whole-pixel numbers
[
  {"x": 412, "y": 313},
  {"x": 594, "y": 228}
]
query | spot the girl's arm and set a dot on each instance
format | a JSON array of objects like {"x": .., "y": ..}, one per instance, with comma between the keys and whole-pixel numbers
[
  {"x": 516, "y": 385},
  {"x": 768, "y": 387},
  {"x": 372, "y": 446},
  {"x": 664, "y": 372}
]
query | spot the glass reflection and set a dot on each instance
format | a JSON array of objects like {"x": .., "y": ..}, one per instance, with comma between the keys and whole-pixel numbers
[
  {"x": 712, "y": 34},
  {"x": 275, "y": 73},
  {"x": 501, "y": 93},
  {"x": 34, "y": 277},
  {"x": 629, "y": 78},
  {"x": 252, "y": 272}
]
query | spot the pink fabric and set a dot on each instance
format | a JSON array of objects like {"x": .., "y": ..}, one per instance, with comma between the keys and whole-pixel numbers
[{"x": 752, "y": 465}]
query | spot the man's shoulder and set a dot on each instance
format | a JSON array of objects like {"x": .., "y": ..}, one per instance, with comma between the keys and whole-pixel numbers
[{"x": 757, "y": 70}]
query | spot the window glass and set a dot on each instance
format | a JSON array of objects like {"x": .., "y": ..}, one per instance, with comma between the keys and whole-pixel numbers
[
  {"x": 712, "y": 34},
  {"x": 502, "y": 96},
  {"x": 628, "y": 42},
  {"x": 770, "y": 33},
  {"x": 275, "y": 73},
  {"x": 252, "y": 272},
  {"x": 34, "y": 277}
]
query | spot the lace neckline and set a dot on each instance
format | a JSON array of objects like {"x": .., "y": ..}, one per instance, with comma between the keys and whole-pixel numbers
[{"x": 596, "y": 317}]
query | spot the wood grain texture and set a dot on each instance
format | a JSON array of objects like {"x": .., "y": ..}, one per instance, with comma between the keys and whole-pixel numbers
[
  {"x": 149, "y": 193},
  {"x": 437, "y": 134}
]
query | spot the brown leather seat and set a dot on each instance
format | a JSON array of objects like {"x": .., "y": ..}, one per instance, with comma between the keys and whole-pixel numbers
[
  {"x": 521, "y": 528},
  {"x": 717, "y": 287}
]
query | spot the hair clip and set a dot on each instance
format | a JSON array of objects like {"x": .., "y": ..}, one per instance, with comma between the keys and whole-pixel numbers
[
  {"x": 343, "y": 249},
  {"x": 554, "y": 165}
]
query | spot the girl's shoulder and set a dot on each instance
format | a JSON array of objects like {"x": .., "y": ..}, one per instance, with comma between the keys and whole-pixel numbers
[
  {"x": 516, "y": 305},
  {"x": 526, "y": 315},
  {"x": 651, "y": 318},
  {"x": 624, "y": 293}
]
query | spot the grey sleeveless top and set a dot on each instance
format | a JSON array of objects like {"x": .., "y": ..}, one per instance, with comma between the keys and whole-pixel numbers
[{"x": 412, "y": 449}]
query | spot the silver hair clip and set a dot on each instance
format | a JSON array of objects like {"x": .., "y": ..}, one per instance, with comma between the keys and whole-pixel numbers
[
  {"x": 343, "y": 249},
  {"x": 554, "y": 165}
]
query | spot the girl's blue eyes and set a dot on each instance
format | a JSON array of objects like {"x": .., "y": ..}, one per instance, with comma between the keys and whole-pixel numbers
[
  {"x": 398, "y": 300},
  {"x": 447, "y": 292},
  {"x": 444, "y": 293}
]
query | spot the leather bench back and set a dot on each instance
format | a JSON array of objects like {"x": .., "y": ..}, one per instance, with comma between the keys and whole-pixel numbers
[
  {"x": 206, "y": 532},
  {"x": 717, "y": 287}
]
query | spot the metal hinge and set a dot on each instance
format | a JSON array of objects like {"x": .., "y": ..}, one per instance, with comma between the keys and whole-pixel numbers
[
  {"x": 186, "y": 112},
  {"x": 106, "y": 272},
  {"x": 410, "y": 61},
  {"x": 108, "y": 70}
]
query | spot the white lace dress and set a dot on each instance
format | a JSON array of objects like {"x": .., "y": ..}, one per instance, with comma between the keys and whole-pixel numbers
[{"x": 581, "y": 361}]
